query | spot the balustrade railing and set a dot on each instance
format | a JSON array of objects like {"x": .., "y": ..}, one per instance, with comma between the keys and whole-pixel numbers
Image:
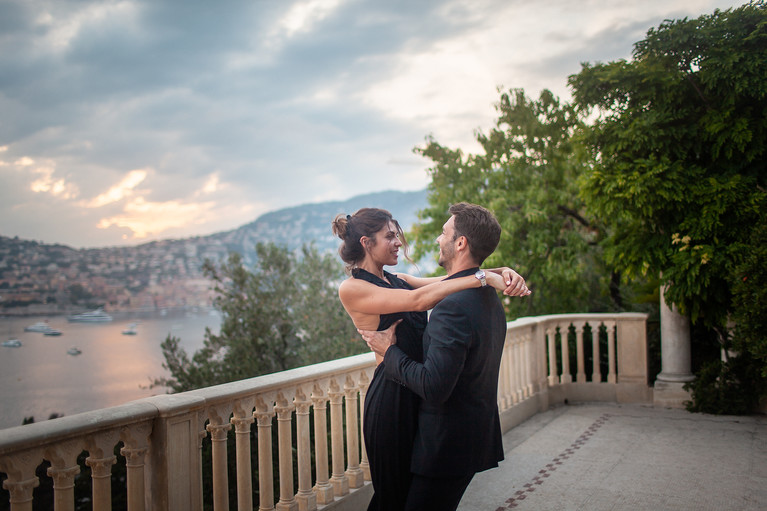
[{"x": 162, "y": 437}]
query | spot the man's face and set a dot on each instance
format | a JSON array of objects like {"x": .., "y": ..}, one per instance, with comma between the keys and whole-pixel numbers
[{"x": 446, "y": 242}]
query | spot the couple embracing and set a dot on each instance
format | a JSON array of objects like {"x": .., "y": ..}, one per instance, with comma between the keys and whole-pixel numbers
[{"x": 431, "y": 417}]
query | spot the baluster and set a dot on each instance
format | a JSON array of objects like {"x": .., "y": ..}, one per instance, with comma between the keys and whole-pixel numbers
[
  {"x": 285, "y": 451},
  {"x": 63, "y": 470},
  {"x": 202, "y": 434},
  {"x": 63, "y": 486},
  {"x": 134, "y": 471},
  {"x": 338, "y": 479},
  {"x": 101, "y": 476},
  {"x": 581, "y": 370},
  {"x": 21, "y": 482},
  {"x": 307, "y": 501},
  {"x": 242, "y": 448},
  {"x": 218, "y": 433},
  {"x": 353, "y": 471},
  {"x": 564, "y": 331},
  {"x": 527, "y": 350},
  {"x": 517, "y": 396},
  {"x": 364, "y": 383},
  {"x": 263, "y": 415},
  {"x": 596, "y": 376},
  {"x": 611, "y": 372},
  {"x": 322, "y": 488},
  {"x": 551, "y": 337},
  {"x": 505, "y": 401},
  {"x": 21, "y": 492}
]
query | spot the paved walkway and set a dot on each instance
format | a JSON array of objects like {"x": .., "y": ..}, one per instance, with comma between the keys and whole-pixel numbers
[{"x": 627, "y": 457}]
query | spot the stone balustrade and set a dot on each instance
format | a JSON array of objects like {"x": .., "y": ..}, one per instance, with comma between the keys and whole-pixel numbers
[{"x": 162, "y": 436}]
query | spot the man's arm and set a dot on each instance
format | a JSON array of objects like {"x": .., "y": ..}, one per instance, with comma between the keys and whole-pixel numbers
[{"x": 450, "y": 338}]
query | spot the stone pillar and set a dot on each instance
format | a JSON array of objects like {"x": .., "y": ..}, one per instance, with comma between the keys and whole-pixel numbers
[
  {"x": 242, "y": 448},
  {"x": 134, "y": 468},
  {"x": 101, "y": 476},
  {"x": 263, "y": 415},
  {"x": 675, "y": 357},
  {"x": 323, "y": 488},
  {"x": 284, "y": 411},
  {"x": 218, "y": 440}
]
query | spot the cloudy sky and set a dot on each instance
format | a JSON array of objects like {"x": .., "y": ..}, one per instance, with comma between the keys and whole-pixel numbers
[{"x": 127, "y": 121}]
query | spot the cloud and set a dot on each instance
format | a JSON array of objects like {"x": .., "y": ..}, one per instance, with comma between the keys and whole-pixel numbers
[
  {"x": 119, "y": 191},
  {"x": 46, "y": 183},
  {"x": 143, "y": 218},
  {"x": 118, "y": 110}
]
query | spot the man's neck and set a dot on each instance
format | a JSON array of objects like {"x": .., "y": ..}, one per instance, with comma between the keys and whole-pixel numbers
[{"x": 459, "y": 266}]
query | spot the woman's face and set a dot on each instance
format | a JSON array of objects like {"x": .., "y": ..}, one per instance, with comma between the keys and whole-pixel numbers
[{"x": 385, "y": 250}]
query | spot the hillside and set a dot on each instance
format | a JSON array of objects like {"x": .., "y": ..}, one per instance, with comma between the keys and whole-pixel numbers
[{"x": 39, "y": 278}]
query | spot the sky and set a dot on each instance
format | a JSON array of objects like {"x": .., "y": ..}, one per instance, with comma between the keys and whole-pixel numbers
[{"x": 123, "y": 122}]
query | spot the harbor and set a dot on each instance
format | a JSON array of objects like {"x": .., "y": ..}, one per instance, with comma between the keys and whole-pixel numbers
[{"x": 88, "y": 365}]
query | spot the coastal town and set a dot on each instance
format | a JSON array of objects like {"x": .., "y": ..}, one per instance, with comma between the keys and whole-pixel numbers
[
  {"x": 44, "y": 279},
  {"x": 38, "y": 278}
]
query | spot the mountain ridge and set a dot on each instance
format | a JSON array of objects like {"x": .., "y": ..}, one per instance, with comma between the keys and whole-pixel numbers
[{"x": 40, "y": 278}]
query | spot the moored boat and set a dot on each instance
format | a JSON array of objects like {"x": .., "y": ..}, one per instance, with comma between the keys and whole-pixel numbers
[
  {"x": 94, "y": 316},
  {"x": 52, "y": 332},
  {"x": 131, "y": 330},
  {"x": 12, "y": 343},
  {"x": 74, "y": 350},
  {"x": 40, "y": 326}
]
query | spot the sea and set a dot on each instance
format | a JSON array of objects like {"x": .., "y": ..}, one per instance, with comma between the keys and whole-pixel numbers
[{"x": 40, "y": 378}]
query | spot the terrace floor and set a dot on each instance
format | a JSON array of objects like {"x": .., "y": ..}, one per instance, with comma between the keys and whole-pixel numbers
[{"x": 627, "y": 457}]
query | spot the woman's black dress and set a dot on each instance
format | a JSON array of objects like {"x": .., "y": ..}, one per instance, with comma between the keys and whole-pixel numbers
[{"x": 391, "y": 410}]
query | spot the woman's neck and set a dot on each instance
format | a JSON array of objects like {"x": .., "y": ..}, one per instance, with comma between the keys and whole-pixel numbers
[{"x": 372, "y": 267}]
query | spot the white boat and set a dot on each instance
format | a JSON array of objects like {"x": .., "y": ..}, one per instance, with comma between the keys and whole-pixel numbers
[
  {"x": 12, "y": 343},
  {"x": 40, "y": 326},
  {"x": 52, "y": 332},
  {"x": 74, "y": 350},
  {"x": 94, "y": 316},
  {"x": 131, "y": 330}
]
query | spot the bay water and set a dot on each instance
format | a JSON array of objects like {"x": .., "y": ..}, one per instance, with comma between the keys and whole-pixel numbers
[{"x": 40, "y": 378}]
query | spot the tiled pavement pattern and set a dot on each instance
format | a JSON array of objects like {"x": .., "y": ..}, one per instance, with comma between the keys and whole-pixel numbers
[{"x": 627, "y": 457}]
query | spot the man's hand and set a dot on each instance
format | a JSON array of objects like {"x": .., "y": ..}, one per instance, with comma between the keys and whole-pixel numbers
[{"x": 379, "y": 341}]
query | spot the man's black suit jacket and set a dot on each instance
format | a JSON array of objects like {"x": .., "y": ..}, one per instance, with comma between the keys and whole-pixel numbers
[{"x": 459, "y": 430}]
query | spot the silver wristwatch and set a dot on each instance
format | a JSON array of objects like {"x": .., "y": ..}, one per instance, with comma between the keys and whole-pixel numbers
[{"x": 480, "y": 276}]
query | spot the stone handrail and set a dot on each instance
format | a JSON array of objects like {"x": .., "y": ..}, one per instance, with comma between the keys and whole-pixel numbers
[{"x": 162, "y": 436}]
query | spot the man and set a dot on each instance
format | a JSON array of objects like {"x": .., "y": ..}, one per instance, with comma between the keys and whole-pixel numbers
[{"x": 459, "y": 431}]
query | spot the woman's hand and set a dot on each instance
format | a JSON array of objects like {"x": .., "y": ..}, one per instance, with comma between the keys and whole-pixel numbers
[{"x": 511, "y": 282}]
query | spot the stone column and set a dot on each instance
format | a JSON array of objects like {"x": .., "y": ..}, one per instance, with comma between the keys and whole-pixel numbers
[
  {"x": 101, "y": 478},
  {"x": 675, "y": 357},
  {"x": 242, "y": 448}
]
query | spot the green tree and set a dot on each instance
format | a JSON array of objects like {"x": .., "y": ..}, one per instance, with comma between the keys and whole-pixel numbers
[
  {"x": 678, "y": 141},
  {"x": 283, "y": 314},
  {"x": 528, "y": 177}
]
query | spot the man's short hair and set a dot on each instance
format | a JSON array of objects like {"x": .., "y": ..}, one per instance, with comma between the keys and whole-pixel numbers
[{"x": 479, "y": 226}]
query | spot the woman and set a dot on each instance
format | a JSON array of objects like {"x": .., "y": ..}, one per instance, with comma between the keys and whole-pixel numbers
[{"x": 375, "y": 300}]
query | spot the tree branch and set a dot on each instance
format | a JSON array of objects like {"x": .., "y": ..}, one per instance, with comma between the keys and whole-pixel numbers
[{"x": 574, "y": 214}]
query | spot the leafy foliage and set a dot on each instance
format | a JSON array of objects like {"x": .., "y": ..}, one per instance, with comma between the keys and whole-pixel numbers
[
  {"x": 750, "y": 300},
  {"x": 528, "y": 177},
  {"x": 679, "y": 142},
  {"x": 679, "y": 145},
  {"x": 283, "y": 314},
  {"x": 731, "y": 387}
]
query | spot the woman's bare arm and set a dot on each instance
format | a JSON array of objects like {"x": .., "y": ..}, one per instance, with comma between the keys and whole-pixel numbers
[
  {"x": 366, "y": 298},
  {"x": 515, "y": 284}
]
